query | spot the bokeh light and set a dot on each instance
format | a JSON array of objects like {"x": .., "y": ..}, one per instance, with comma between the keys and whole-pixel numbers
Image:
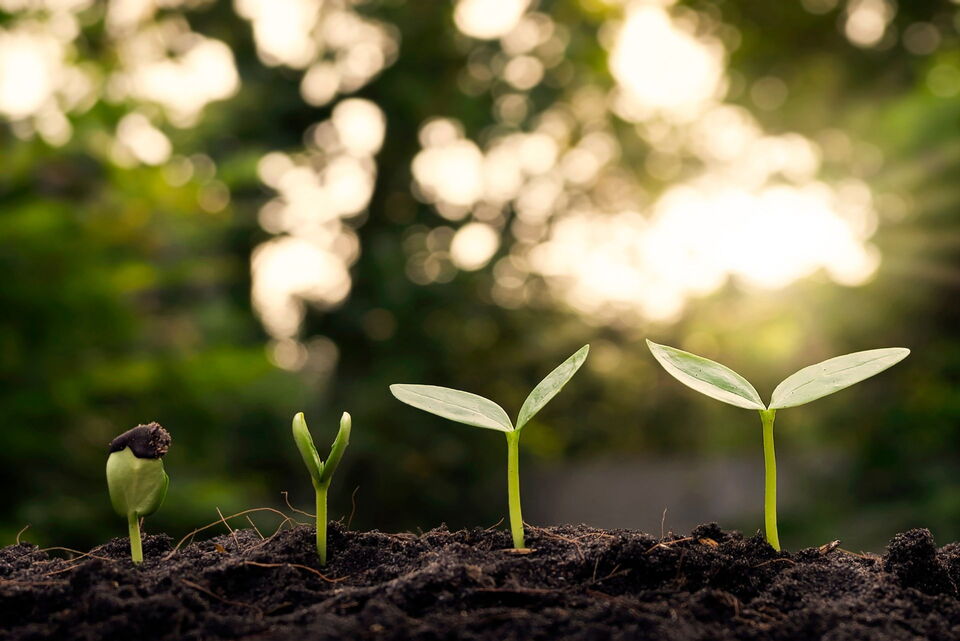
[
  {"x": 317, "y": 191},
  {"x": 737, "y": 203},
  {"x": 488, "y": 18}
]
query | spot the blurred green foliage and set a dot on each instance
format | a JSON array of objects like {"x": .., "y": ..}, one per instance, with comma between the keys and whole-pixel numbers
[{"x": 122, "y": 302}]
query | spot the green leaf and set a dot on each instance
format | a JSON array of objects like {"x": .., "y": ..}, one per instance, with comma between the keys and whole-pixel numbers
[
  {"x": 308, "y": 451},
  {"x": 822, "y": 379},
  {"x": 137, "y": 485},
  {"x": 336, "y": 451},
  {"x": 549, "y": 386},
  {"x": 707, "y": 377},
  {"x": 462, "y": 407}
]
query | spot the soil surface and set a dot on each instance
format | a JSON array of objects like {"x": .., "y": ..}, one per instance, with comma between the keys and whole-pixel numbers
[{"x": 577, "y": 583}]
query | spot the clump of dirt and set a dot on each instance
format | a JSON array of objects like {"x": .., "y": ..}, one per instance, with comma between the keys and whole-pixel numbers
[{"x": 577, "y": 583}]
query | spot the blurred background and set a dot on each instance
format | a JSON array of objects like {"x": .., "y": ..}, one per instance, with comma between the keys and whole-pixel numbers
[{"x": 217, "y": 214}]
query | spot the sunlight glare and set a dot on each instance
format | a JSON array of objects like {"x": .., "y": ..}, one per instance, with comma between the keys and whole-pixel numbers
[
  {"x": 309, "y": 258},
  {"x": 474, "y": 245},
  {"x": 288, "y": 270},
  {"x": 31, "y": 64},
  {"x": 488, "y": 19},
  {"x": 138, "y": 136},
  {"x": 451, "y": 172},
  {"x": 203, "y": 72},
  {"x": 662, "y": 68},
  {"x": 360, "y": 126},
  {"x": 283, "y": 30},
  {"x": 697, "y": 237},
  {"x": 867, "y": 20}
]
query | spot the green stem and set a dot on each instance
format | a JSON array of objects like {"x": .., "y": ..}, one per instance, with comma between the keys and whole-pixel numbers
[
  {"x": 322, "y": 523},
  {"x": 513, "y": 488},
  {"x": 770, "y": 483},
  {"x": 136, "y": 549}
]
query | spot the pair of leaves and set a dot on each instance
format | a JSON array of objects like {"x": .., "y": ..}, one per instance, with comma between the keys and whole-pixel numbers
[
  {"x": 813, "y": 382},
  {"x": 320, "y": 472},
  {"x": 470, "y": 409}
]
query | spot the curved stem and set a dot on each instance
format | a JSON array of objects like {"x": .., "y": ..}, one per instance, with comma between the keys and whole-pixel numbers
[
  {"x": 770, "y": 483},
  {"x": 322, "y": 523},
  {"x": 136, "y": 549},
  {"x": 513, "y": 488}
]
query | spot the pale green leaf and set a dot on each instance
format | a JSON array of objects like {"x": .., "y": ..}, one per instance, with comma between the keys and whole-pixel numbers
[
  {"x": 817, "y": 381},
  {"x": 707, "y": 377},
  {"x": 308, "y": 451},
  {"x": 462, "y": 407},
  {"x": 549, "y": 386},
  {"x": 336, "y": 450}
]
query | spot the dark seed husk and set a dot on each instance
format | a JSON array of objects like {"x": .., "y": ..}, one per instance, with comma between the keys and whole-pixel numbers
[{"x": 145, "y": 441}]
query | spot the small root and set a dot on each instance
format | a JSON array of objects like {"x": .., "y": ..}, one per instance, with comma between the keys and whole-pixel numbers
[
  {"x": 353, "y": 505},
  {"x": 299, "y": 567},
  {"x": 236, "y": 541},
  {"x": 275, "y": 532},
  {"x": 254, "y": 526},
  {"x": 190, "y": 535},
  {"x": 286, "y": 499},
  {"x": 790, "y": 561},
  {"x": 667, "y": 544},
  {"x": 573, "y": 542},
  {"x": 494, "y": 526}
]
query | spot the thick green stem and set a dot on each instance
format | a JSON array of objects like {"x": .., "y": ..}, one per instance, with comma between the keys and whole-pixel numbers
[
  {"x": 513, "y": 488},
  {"x": 136, "y": 549},
  {"x": 770, "y": 483},
  {"x": 322, "y": 523}
]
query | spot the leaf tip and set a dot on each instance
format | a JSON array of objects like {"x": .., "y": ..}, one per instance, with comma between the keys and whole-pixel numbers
[
  {"x": 653, "y": 347},
  {"x": 346, "y": 426}
]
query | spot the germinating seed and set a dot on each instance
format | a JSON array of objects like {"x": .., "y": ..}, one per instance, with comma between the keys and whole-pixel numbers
[{"x": 135, "y": 477}]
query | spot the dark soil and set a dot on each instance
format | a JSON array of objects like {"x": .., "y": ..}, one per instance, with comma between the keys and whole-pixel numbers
[{"x": 578, "y": 583}]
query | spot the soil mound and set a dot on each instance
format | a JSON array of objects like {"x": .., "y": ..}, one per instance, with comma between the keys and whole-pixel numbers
[{"x": 577, "y": 583}]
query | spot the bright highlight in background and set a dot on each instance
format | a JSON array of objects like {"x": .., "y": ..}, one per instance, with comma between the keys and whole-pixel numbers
[
  {"x": 545, "y": 195},
  {"x": 736, "y": 202},
  {"x": 696, "y": 239},
  {"x": 662, "y": 68},
  {"x": 487, "y": 19}
]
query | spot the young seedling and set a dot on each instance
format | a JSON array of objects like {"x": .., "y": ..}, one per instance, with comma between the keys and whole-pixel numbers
[
  {"x": 135, "y": 477},
  {"x": 477, "y": 411},
  {"x": 809, "y": 384},
  {"x": 321, "y": 472}
]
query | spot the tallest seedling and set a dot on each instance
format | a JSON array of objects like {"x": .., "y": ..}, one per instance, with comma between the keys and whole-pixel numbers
[
  {"x": 470, "y": 409},
  {"x": 809, "y": 384}
]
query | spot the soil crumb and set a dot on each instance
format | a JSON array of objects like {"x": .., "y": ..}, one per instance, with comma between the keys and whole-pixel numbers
[{"x": 577, "y": 583}]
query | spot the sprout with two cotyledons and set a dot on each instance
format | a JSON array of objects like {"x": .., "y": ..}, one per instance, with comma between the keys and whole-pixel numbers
[
  {"x": 470, "y": 409},
  {"x": 810, "y": 383},
  {"x": 135, "y": 477},
  {"x": 321, "y": 472}
]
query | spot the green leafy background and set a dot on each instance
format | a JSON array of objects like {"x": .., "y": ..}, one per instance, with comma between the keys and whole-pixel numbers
[{"x": 122, "y": 302}]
